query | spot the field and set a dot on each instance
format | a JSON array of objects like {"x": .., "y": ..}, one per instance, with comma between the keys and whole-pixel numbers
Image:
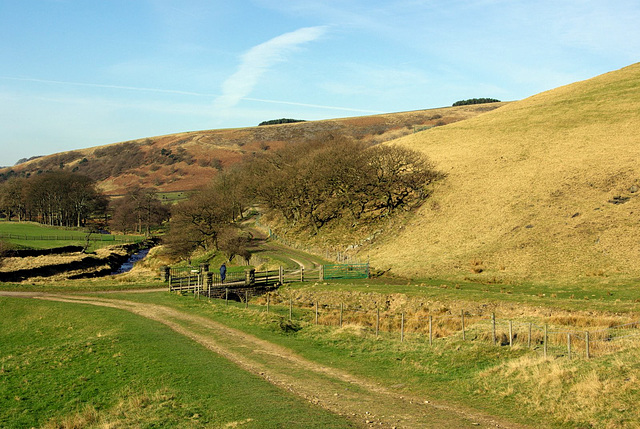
[
  {"x": 65, "y": 365},
  {"x": 77, "y": 361},
  {"x": 36, "y": 236}
]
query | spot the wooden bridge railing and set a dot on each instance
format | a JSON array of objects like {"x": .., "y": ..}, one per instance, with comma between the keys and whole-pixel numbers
[{"x": 200, "y": 280}]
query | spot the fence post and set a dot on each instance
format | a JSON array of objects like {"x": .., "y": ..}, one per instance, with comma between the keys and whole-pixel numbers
[
  {"x": 510, "y": 333},
  {"x": 316, "y": 312},
  {"x": 204, "y": 269},
  {"x": 586, "y": 339},
  {"x": 301, "y": 274},
  {"x": 430, "y": 330},
  {"x": 226, "y": 296},
  {"x": 402, "y": 328},
  {"x": 268, "y": 295},
  {"x": 321, "y": 273},
  {"x": 493, "y": 327},
  {"x": 246, "y": 299},
  {"x": 377, "y": 322},
  {"x": 281, "y": 275},
  {"x": 544, "y": 348},
  {"x": 569, "y": 345},
  {"x": 290, "y": 308},
  {"x": 170, "y": 288},
  {"x": 464, "y": 337},
  {"x": 341, "y": 309}
]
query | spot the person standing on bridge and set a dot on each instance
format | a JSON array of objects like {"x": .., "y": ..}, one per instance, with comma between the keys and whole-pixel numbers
[{"x": 223, "y": 272}]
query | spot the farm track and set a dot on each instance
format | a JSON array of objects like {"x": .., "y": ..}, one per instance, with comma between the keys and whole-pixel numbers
[{"x": 365, "y": 403}]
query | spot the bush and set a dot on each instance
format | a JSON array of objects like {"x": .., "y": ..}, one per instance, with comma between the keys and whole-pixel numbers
[
  {"x": 280, "y": 121},
  {"x": 475, "y": 101}
]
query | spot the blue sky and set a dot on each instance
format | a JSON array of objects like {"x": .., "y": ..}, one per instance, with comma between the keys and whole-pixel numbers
[{"x": 82, "y": 73}]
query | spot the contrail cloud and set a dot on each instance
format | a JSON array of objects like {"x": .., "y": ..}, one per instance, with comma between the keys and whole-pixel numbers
[{"x": 258, "y": 60}]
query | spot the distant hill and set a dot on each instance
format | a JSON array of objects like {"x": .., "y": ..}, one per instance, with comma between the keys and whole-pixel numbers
[
  {"x": 543, "y": 189},
  {"x": 185, "y": 161}
]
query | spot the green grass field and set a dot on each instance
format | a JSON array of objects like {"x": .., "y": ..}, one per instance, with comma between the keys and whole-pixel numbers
[
  {"x": 64, "y": 364},
  {"x": 36, "y": 236},
  {"x": 173, "y": 197}
]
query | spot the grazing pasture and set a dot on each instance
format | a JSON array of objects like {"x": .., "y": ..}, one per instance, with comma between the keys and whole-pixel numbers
[{"x": 70, "y": 365}]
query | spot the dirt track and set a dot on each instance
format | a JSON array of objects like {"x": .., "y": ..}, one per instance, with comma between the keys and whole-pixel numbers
[{"x": 365, "y": 403}]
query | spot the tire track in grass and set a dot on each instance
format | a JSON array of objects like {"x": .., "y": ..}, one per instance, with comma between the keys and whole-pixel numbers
[{"x": 365, "y": 403}]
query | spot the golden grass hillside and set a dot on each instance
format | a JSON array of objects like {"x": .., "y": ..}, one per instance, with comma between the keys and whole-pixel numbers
[{"x": 543, "y": 189}]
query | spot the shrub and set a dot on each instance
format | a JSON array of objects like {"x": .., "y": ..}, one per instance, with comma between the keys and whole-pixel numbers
[
  {"x": 280, "y": 121},
  {"x": 475, "y": 101}
]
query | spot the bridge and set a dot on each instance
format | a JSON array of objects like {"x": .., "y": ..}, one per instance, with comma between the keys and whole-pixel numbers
[{"x": 239, "y": 286}]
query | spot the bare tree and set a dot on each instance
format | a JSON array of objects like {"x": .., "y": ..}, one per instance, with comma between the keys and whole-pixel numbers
[
  {"x": 314, "y": 184},
  {"x": 138, "y": 211}
]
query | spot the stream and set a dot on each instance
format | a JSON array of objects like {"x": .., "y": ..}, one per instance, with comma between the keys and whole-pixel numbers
[{"x": 135, "y": 257}]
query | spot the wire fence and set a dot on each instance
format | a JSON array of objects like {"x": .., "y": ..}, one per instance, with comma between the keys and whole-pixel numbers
[{"x": 549, "y": 340}]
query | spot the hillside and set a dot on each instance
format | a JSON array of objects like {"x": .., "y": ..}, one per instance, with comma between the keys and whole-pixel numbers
[
  {"x": 544, "y": 188},
  {"x": 185, "y": 161}
]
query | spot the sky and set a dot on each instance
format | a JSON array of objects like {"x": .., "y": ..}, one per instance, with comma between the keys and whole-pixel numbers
[{"x": 82, "y": 73}]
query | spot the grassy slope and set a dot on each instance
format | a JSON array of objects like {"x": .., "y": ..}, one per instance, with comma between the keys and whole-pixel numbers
[
  {"x": 528, "y": 188},
  {"x": 68, "y": 365}
]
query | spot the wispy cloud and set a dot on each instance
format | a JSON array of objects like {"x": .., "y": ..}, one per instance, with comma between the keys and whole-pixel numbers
[{"x": 259, "y": 59}]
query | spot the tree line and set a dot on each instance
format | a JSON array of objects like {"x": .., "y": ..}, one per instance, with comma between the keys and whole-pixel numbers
[
  {"x": 280, "y": 121},
  {"x": 56, "y": 198},
  {"x": 69, "y": 199}
]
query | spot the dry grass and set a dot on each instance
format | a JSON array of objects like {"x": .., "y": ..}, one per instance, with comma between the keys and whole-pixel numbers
[
  {"x": 582, "y": 395},
  {"x": 608, "y": 333},
  {"x": 147, "y": 409},
  {"x": 532, "y": 190}
]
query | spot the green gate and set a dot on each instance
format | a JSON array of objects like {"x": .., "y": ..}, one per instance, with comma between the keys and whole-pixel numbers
[{"x": 346, "y": 271}]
